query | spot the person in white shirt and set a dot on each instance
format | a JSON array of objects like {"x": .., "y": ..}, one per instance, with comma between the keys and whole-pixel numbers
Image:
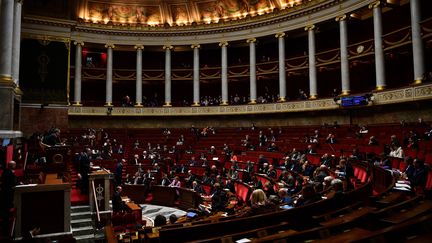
[{"x": 397, "y": 152}]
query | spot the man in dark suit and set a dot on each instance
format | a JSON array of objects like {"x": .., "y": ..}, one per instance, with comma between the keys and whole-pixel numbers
[
  {"x": 271, "y": 172},
  {"x": 85, "y": 170},
  {"x": 189, "y": 179},
  {"x": 230, "y": 186},
  {"x": 117, "y": 203},
  {"x": 197, "y": 187},
  {"x": 53, "y": 138},
  {"x": 118, "y": 173},
  {"x": 262, "y": 160},
  {"x": 419, "y": 178},
  {"x": 256, "y": 184},
  {"x": 310, "y": 150},
  {"x": 219, "y": 198},
  {"x": 135, "y": 160}
]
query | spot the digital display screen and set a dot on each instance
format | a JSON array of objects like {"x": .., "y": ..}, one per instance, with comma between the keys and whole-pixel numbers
[{"x": 354, "y": 101}]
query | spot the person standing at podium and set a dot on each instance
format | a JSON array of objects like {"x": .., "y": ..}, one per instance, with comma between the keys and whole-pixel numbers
[
  {"x": 53, "y": 138},
  {"x": 85, "y": 170}
]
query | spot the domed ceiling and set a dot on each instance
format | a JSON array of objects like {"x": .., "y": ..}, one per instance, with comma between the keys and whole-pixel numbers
[{"x": 177, "y": 12}]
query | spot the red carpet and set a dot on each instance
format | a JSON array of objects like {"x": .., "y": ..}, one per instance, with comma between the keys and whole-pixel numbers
[{"x": 78, "y": 199}]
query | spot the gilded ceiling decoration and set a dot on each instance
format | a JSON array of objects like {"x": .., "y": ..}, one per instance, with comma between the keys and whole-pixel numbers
[{"x": 177, "y": 12}]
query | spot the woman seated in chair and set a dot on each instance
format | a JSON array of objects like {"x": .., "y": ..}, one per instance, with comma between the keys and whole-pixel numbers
[{"x": 259, "y": 204}]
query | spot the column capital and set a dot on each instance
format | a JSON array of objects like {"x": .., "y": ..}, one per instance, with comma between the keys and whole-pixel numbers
[
  {"x": 79, "y": 43},
  {"x": 341, "y": 18},
  {"x": 139, "y": 47},
  {"x": 375, "y": 4},
  {"x": 309, "y": 27},
  {"x": 280, "y": 35},
  {"x": 223, "y": 43},
  {"x": 109, "y": 45},
  {"x": 251, "y": 40},
  {"x": 193, "y": 46},
  {"x": 168, "y": 47}
]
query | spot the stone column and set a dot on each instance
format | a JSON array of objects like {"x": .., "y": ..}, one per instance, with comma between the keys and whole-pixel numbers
[
  {"x": 138, "y": 89},
  {"x": 196, "y": 75},
  {"x": 252, "y": 70},
  {"x": 9, "y": 91},
  {"x": 378, "y": 46},
  {"x": 417, "y": 42},
  {"x": 345, "y": 77},
  {"x": 167, "y": 49},
  {"x": 282, "y": 71},
  {"x": 16, "y": 41},
  {"x": 6, "y": 37},
  {"x": 109, "y": 74},
  {"x": 312, "y": 62},
  {"x": 78, "y": 65},
  {"x": 224, "y": 73}
]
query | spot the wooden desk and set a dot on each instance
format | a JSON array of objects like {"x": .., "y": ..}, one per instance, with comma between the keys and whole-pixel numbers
[
  {"x": 48, "y": 202},
  {"x": 135, "y": 209},
  {"x": 163, "y": 195},
  {"x": 188, "y": 198},
  {"x": 135, "y": 192},
  {"x": 400, "y": 217},
  {"x": 349, "y": 217},
  {"x": 51, "y": 179},
  {"x": 346, "y": 236}
]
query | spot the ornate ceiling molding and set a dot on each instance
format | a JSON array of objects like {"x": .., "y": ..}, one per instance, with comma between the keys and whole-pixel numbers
[{"x": 263, "y": 25}]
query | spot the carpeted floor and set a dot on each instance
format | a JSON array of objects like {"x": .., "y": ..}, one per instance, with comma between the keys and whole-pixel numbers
[
  {"x": 77, "y": 198},
  {"x": 149, "y": 212}
]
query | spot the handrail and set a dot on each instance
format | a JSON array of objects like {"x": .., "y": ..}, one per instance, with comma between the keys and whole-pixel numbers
[{"x": 95, "y": 201}]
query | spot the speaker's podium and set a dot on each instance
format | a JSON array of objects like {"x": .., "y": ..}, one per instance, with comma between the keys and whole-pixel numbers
[
  {"x": 46, "y": 206},
  {"x": 99, "y": 197}
]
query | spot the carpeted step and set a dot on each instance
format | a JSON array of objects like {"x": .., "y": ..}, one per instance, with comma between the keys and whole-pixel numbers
[
  {"x": 85, "y": 230},
  {"x": 77, "y": 223},
  {"x": 80, "y": 215},
  {"x": 78, "y": 209}
]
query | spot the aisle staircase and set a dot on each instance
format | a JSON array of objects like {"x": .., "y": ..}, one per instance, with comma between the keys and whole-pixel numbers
[{"x": 82, "y": 226}]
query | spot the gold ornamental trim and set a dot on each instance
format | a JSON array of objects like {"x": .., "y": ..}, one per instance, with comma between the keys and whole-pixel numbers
[
  {"x": 341, "y": 18},
  {"x": 168, "y": 47},
  {"x": 345, "y": 92},
  {"x": 25, "y": 35},
  {"x": 280, "y": 35},
  {"x": 375, "y": 4},
  {"x": 309, "y": 27},
  {"x": 79, "y": 43},
  {"x": 407, "y": 94},
  {"x": 380, "y": 87},
  {"x": 223, "y": 43},
  {"x": 139, "y": 47},
  {"x": 251, "y": 40},
  {"x": 193, "y": 46},
  {"x": 109, "y": 45}
]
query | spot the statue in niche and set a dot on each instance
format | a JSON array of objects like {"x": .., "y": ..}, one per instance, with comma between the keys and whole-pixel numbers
[{"x": 43, "y": 61}]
